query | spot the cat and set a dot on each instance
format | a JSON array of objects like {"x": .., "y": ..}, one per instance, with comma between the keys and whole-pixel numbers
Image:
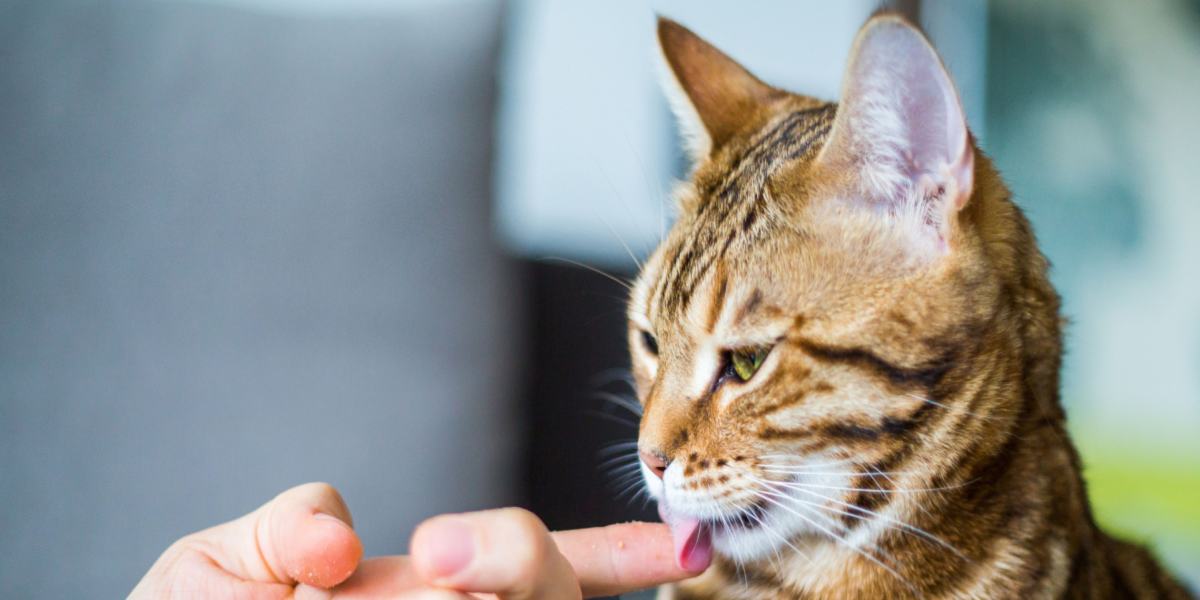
[{"x": 847, "y": 350}]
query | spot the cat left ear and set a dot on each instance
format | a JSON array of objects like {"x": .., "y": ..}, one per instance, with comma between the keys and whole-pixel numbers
[
  {"x": 711, "y": 94},
  {"x": 900, "y": 127}
]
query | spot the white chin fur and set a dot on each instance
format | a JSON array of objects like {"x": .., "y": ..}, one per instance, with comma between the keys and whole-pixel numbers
[
  {"x": 783, "y": 526},
  {"x": 749, "y": 545}
]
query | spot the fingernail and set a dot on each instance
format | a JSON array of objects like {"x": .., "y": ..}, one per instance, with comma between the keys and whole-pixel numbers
[
  {"x": 449, "y": 546},
  {"x": 320, "y": 516}
]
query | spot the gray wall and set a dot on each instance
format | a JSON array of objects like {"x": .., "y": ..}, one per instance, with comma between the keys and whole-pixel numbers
[{"x": 240, "y": 251}]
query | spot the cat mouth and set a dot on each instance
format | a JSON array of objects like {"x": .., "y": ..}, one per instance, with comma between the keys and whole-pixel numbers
[{"x": 693, "y": 537}]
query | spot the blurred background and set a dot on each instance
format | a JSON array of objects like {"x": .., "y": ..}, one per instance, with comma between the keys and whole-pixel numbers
[{"x": 250, "y": 243}]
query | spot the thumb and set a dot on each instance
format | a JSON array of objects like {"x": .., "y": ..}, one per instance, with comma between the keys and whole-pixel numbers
[
  {"x": 506, "y": 552},
  {"x": 302, "y": 535}
]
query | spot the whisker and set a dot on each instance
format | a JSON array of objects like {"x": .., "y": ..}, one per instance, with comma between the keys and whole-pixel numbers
[
  {"x": 911, "y": 528},
  {"x": 797, "y": 457},
  {"x": 608, "y": 376},
  {"x": 805, "y": 465},
  {"x": 778, "y": 562},
  {"x": 624, "y": 402},
  {"x": 618, "y": 447},
  {"x": 828, "y": 520},
  {"x": 844, "y": 461},
  {"x": 624, "y": 203},
  {"x": 628, "y": 483},
  {"x": 895, "y": 490},
  {"x": 625, "y": 284},
  {"x": 617, "y": 468},
  {"x": 612, "y": 418},
  {"x": 737, "y": 564},
  {"x": 626, "y": 487},
  {"x": 872, "y": 474},
  {"x": 955, "y": 408},
  {"x": 653, "y": 187},
  {"x": 847, "y": 544},
  {"x": 836, "y": 473},
  {"x": 762, "y": 523},
  {"x": 818, "y": 505},
  {"x": 621, "y": 241},
  {"x": 623, "y": 471}
]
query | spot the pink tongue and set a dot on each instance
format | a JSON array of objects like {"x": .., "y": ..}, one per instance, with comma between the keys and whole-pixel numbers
[{"x": 693, "y": 544}]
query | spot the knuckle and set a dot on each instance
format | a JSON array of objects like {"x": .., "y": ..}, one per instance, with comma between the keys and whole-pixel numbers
[
  {"x": 526, "y": 522},
  {"x": 529, "y": 546},
  {"x": 189, "y": 544},
  {"x": 320, "y": 495},
  {"x": 321, "y": 489}
]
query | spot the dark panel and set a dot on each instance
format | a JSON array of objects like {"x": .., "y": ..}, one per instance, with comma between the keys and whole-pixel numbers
[{"x": 577, "y": 352}]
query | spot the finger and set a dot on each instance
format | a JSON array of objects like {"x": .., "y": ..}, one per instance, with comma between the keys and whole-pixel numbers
[
  {"x": 382, "y": 577},
  {"x": 302, "y": 535},
  {"x": 620, "y": 558},
  {"x": 436, "y": 594},
  {"x": 507, "y": 552},
  {"x": 385, "y": 577}
]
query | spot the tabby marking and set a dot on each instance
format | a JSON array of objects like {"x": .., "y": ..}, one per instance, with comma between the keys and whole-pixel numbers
[{"x": 903, "y": 436}]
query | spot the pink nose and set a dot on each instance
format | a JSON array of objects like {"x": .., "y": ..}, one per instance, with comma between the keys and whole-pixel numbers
[{"x": 655, "y": 462}]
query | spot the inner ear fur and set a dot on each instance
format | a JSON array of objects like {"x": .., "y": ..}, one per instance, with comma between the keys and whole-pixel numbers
[{"x": 900, "y": 132}]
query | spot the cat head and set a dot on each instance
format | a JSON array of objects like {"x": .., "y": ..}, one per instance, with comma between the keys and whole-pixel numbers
[{"x": 792, "y": 336}]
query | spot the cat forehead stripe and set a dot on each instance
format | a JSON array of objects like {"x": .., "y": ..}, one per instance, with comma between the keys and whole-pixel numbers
[{"x": 731, "y": 208}]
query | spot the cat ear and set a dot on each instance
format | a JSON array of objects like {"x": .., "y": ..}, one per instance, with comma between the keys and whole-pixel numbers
[
  {"x": 711, "y": 94},
  {"x": 900, "y": 127}
]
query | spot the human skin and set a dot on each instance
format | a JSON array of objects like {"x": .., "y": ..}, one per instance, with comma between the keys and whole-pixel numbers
[{"x": 301, "y": 545}]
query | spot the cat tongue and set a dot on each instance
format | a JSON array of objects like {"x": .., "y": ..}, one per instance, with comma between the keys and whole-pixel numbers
[{"x": 693, "y": 543}]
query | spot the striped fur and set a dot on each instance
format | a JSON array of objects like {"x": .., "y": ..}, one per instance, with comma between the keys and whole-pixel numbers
[{"x": 904, "y": 437}]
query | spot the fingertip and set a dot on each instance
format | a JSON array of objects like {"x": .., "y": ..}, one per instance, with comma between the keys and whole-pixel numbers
[
  {"x": 442, "y": 547},
  {"x": 620, "y": 558},
  {"x": 324, "y": 552}
]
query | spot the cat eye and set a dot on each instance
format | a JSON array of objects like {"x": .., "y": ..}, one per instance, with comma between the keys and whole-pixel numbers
[
  {"x": 649, "y": 343},
  {"x": 745, "y": 362}
]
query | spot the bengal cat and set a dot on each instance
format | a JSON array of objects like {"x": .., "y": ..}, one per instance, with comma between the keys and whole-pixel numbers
[{"x": 847, "y": 350}]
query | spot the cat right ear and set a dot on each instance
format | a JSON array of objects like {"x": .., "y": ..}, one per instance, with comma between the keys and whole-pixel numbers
[
  {"x": 713, "y": 96},
  {"x": 900, "y": 127}
]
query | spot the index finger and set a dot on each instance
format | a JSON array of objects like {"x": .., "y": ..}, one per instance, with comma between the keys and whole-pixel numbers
[{"x": 621, "y": 558}]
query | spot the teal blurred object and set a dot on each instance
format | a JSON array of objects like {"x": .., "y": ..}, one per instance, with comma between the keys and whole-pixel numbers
[{"x": 1091, "y": 119}]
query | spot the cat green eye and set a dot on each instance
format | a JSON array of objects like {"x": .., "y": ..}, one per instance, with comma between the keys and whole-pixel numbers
[{"x": 746, "y": 361}]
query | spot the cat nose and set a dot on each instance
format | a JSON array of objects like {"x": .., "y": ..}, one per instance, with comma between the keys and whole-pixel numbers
[{"x": 655, "y": 462}]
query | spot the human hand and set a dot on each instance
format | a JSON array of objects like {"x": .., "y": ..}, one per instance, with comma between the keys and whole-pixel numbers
[{"x": 300, "y": 545}]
